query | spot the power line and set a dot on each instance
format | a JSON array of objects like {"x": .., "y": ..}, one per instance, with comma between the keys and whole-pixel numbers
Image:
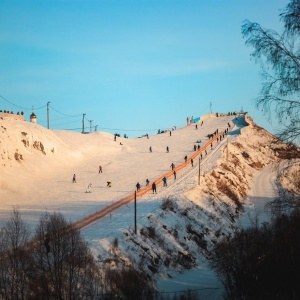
[
  {"x": 71, "y": 116},
  {"x": 25, "y": 108}
]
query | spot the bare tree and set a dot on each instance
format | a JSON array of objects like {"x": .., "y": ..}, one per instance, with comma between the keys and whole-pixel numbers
[
  {"x": 261, "y": 262},
  {"x": 63, "y": 263},
  {"x": 279, "y": 58},
  {"x": 15, "y": 258}
]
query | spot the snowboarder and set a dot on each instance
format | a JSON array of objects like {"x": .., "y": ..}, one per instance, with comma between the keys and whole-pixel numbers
[
  {"x": 172, "y": 166},
  {"x": 74, "y": 178},
  {"x": 108, "y": 184},
  {"x": 154, "y": 187},
  {"x": 165, "y": 181},
  {"x": 89, "y": 188},
  {"x": 174, "y": 173},
  {"x": 100, "y": 169}
]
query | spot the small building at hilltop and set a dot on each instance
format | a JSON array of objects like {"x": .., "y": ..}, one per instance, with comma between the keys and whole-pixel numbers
[{"x": 33, "y": 118}]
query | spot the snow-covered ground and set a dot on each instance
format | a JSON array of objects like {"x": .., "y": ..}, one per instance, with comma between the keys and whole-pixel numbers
[{"x": 38, "y": 164}]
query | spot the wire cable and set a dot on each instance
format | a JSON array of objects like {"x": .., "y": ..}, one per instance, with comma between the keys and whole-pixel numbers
[{"x": 25, "y": 108}]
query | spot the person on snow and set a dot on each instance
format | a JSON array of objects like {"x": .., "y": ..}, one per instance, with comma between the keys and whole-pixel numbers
[
  {"x": 167, "y": 149},
  {"x": 185, "y": 158},
  {"x": 154, "y": 188},
  {"x": 108, "y": 184},
  {"x": 172, "y": 166},
  {"x": 100, "y": 169},
  {"x": 138, "y": 186},
  {"x": 150, "y": 149},
  {"x": 74, "y": 178},
  {"x": 174, "y": 173},
  {"x": 192, "y": 162},
  {"x": 195, "y": 147},
  {"x": 89, "y": 188},
  {"x": 147, "y": 182},
  {"x": 165, "y": 180}
]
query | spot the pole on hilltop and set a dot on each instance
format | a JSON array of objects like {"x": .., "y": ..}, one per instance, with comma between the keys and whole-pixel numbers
[
  {"x": 48, "y": 121},
  {"x": 135, "y": 212}
]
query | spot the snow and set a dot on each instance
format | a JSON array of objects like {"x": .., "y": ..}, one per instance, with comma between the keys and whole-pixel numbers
[{"x": 37, "y": 166}]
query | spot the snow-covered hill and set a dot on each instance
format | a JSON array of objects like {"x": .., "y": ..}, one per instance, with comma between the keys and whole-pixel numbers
[{"x": 176, "y": 227}]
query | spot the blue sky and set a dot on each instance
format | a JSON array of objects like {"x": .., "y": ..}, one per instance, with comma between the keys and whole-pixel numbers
[{"x": 131, "y": 66}]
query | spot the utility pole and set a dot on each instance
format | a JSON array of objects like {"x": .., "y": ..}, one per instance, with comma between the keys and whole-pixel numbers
[
  {"x": 90, "y": 125},
  {"x": 135, "y": 212},
  {"x": 199, "y": 172},
  {"x": 227, "y": 150},
  {"x": 48, "y": 114},
  {"x": 83, "y": 123}
]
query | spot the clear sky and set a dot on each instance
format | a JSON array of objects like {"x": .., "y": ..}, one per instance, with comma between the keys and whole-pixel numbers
[{"x": 131, "y": 66}]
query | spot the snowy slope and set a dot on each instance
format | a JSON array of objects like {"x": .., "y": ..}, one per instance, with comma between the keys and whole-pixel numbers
[{"x": 176, "y": 227}]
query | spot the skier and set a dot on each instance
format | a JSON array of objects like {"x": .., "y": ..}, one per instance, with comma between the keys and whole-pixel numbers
[
  {"x": 196, "y": 126},
  {"x": 192, "y": 162},
  {"x": 154, "y": 188},
  {"x": 108, "y": 184},
  {"x": 100, "y": 169},
  {"x": 185, "y": 158},
  {"x": 165, "y": 181},
  {"x": 147, "y": 182},
  {"x": 195, "y": 147},
  {"x": 167, "y": 149},
  {"x": 150, "y": 149},
  {"x": 174, "y": 173},
  {"x": 74, "y": 178},
  {"x": 172, "y": 166}
]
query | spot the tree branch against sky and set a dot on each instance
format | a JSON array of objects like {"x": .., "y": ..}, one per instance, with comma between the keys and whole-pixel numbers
[{"x": 279, "y": 58}]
